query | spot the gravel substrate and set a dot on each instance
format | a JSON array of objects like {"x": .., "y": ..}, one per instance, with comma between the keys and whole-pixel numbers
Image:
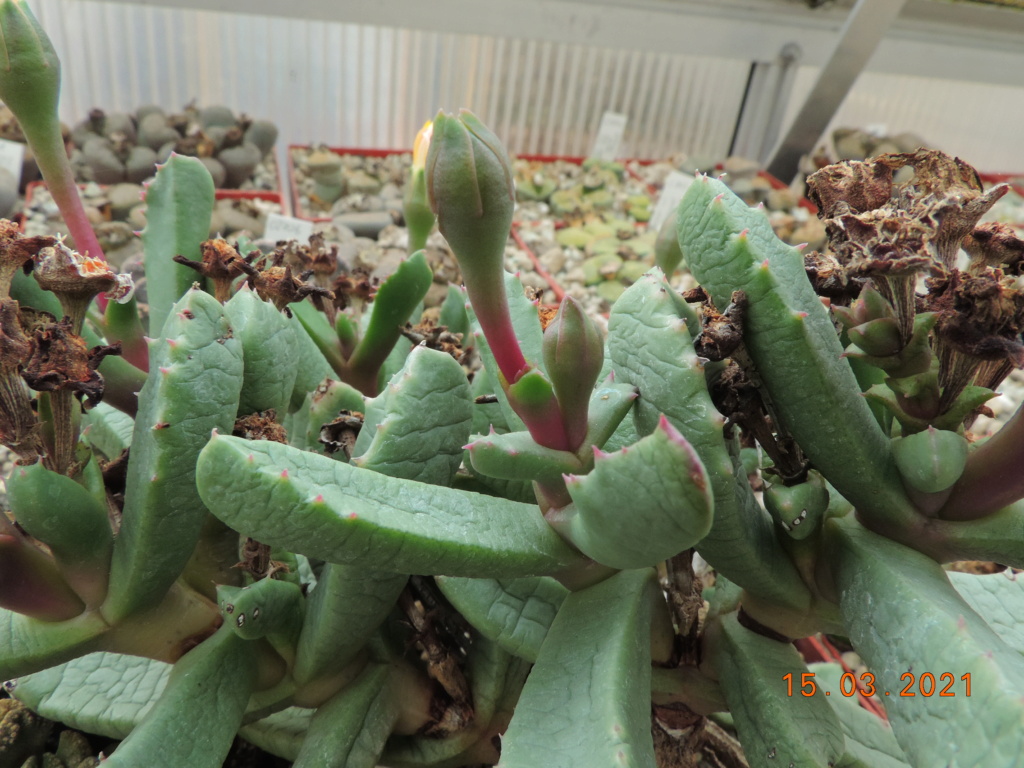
[{"x": 348, "y": 184}]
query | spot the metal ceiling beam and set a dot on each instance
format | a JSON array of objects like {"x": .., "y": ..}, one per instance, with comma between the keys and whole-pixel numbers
[{"x": 858, "y": 40}]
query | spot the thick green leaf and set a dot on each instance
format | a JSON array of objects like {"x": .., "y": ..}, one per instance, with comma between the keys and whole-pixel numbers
[
  {"x": 30, "y": 645},
  {"x": 392, "y": 307},
  {"x": 651, "y": 347},
  {"x": 193, "y": 388},
  {"x": 71, "y": 521},
  {"x": 453, "y": 310},
  {"x": 350, "y": 729},
  {"x": 269, "y": 353},
  {"x": 906, "y": 621},
  {"x": 790, "y": 337},
  {"x": 869, "y": 739},
  {"x": 999, "y": 599},
  {"x": 323, "y": 405},
  {"x": 103, "y": 693},
  {"x": 311, "y": 367},
  {"x": 281, "y": 733},
  {"x": 107, "y": 429},
  {"x": 342, "y": 612},
  {"x": 515, "y": 456},
  {"x": 643, "y": 504},
  {"x": 609, "y": 405},
  {"x": 588, "y": 699},
  {"x": 197, "y": 715},
  {"x": 308, "y": 503},
  {"x": 416, "y": 428},
  {"x": 179, "y": 204},
  {"x": 318, "y": 329},
  {"x": 775, "y": 728},
  {"x": 514, "y": 613}
]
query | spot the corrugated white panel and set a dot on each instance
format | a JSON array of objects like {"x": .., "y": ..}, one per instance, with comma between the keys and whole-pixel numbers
[
  {"x": 978, "y": 122},
  {"x": 367, "y": 86}
]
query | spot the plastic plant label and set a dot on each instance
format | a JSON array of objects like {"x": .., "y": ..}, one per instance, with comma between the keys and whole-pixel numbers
[
  {"x": 11, "y": 155},
  {"x": 287, "y": 228},
  {"x": 609, "y": 136},
  {"x": 675, "y": 186}
]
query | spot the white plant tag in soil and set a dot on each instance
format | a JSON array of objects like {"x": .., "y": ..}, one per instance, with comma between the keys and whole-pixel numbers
[
  {"x": 12, "y": 153},
  {"x": 609, "y": 136},
  {"x": 287, "y": 228},
  {"x": 675, "y": 186}
]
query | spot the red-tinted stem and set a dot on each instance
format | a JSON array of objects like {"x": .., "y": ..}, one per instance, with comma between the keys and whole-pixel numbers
[
  {"x": 491, "y": 308},
  {"x": 51, "y": 157}
]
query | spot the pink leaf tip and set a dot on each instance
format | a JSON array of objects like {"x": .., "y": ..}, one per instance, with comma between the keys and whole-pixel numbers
[{"x": 284, "y": 474}]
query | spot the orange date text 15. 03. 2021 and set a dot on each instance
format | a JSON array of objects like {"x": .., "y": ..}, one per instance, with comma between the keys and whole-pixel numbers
[{"x": 925, "y": 684}]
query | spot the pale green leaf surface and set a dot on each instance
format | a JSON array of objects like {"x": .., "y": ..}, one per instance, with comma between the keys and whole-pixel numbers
[
  {"x": 197, "y": 715},
  {"x": 869, "y": 739},
  {"x": 342, "y": 611},
  {"x": 514, "y": 613},
  {"x": 308, "y": 503},
  {"x": 350, "y": 729},
  {"x": 179, "y": 204},
  {"x": 109, "y": 430},
  {"x": 281, "y": 733},
  {"x": 774, "y": 727},
  {"x": 643, "y": 504},
  {"x": 652, "y": 349},
  {"x": 269, "y": 353},
  {"x": 102, "y": 693},
  {"x": 30, "y": 645},
  {"x": 904, "y": 616},
  {"x": 587, "y": 701},
  {"x": 192, "y": 388},
  {"x": 416, "y": 428},
  {"x": 790, "y": 336},
  {"x": 999, "y": 599}
]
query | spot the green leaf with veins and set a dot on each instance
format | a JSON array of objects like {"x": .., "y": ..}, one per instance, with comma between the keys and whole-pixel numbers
[{"x": 308, "y": 503}]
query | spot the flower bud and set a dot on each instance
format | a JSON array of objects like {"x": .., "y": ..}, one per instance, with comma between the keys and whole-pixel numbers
[
  {"x": 469, "y": 182},
  {"x": 419, "y": 218},
  {"x": 573, "y": 354},
  {"x": 421, "y": 145}
]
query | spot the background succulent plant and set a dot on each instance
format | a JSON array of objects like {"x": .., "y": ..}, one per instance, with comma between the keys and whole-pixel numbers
[{"x": 117, "y": 147}]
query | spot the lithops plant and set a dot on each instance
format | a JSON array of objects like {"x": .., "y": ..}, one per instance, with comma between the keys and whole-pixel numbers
[{"x": 121, "y": 147}]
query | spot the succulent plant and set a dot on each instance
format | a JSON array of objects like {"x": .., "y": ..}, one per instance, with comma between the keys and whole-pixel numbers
[
  {"x": 446, "y": 571},
  {"x": 119, "y": 147}
]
